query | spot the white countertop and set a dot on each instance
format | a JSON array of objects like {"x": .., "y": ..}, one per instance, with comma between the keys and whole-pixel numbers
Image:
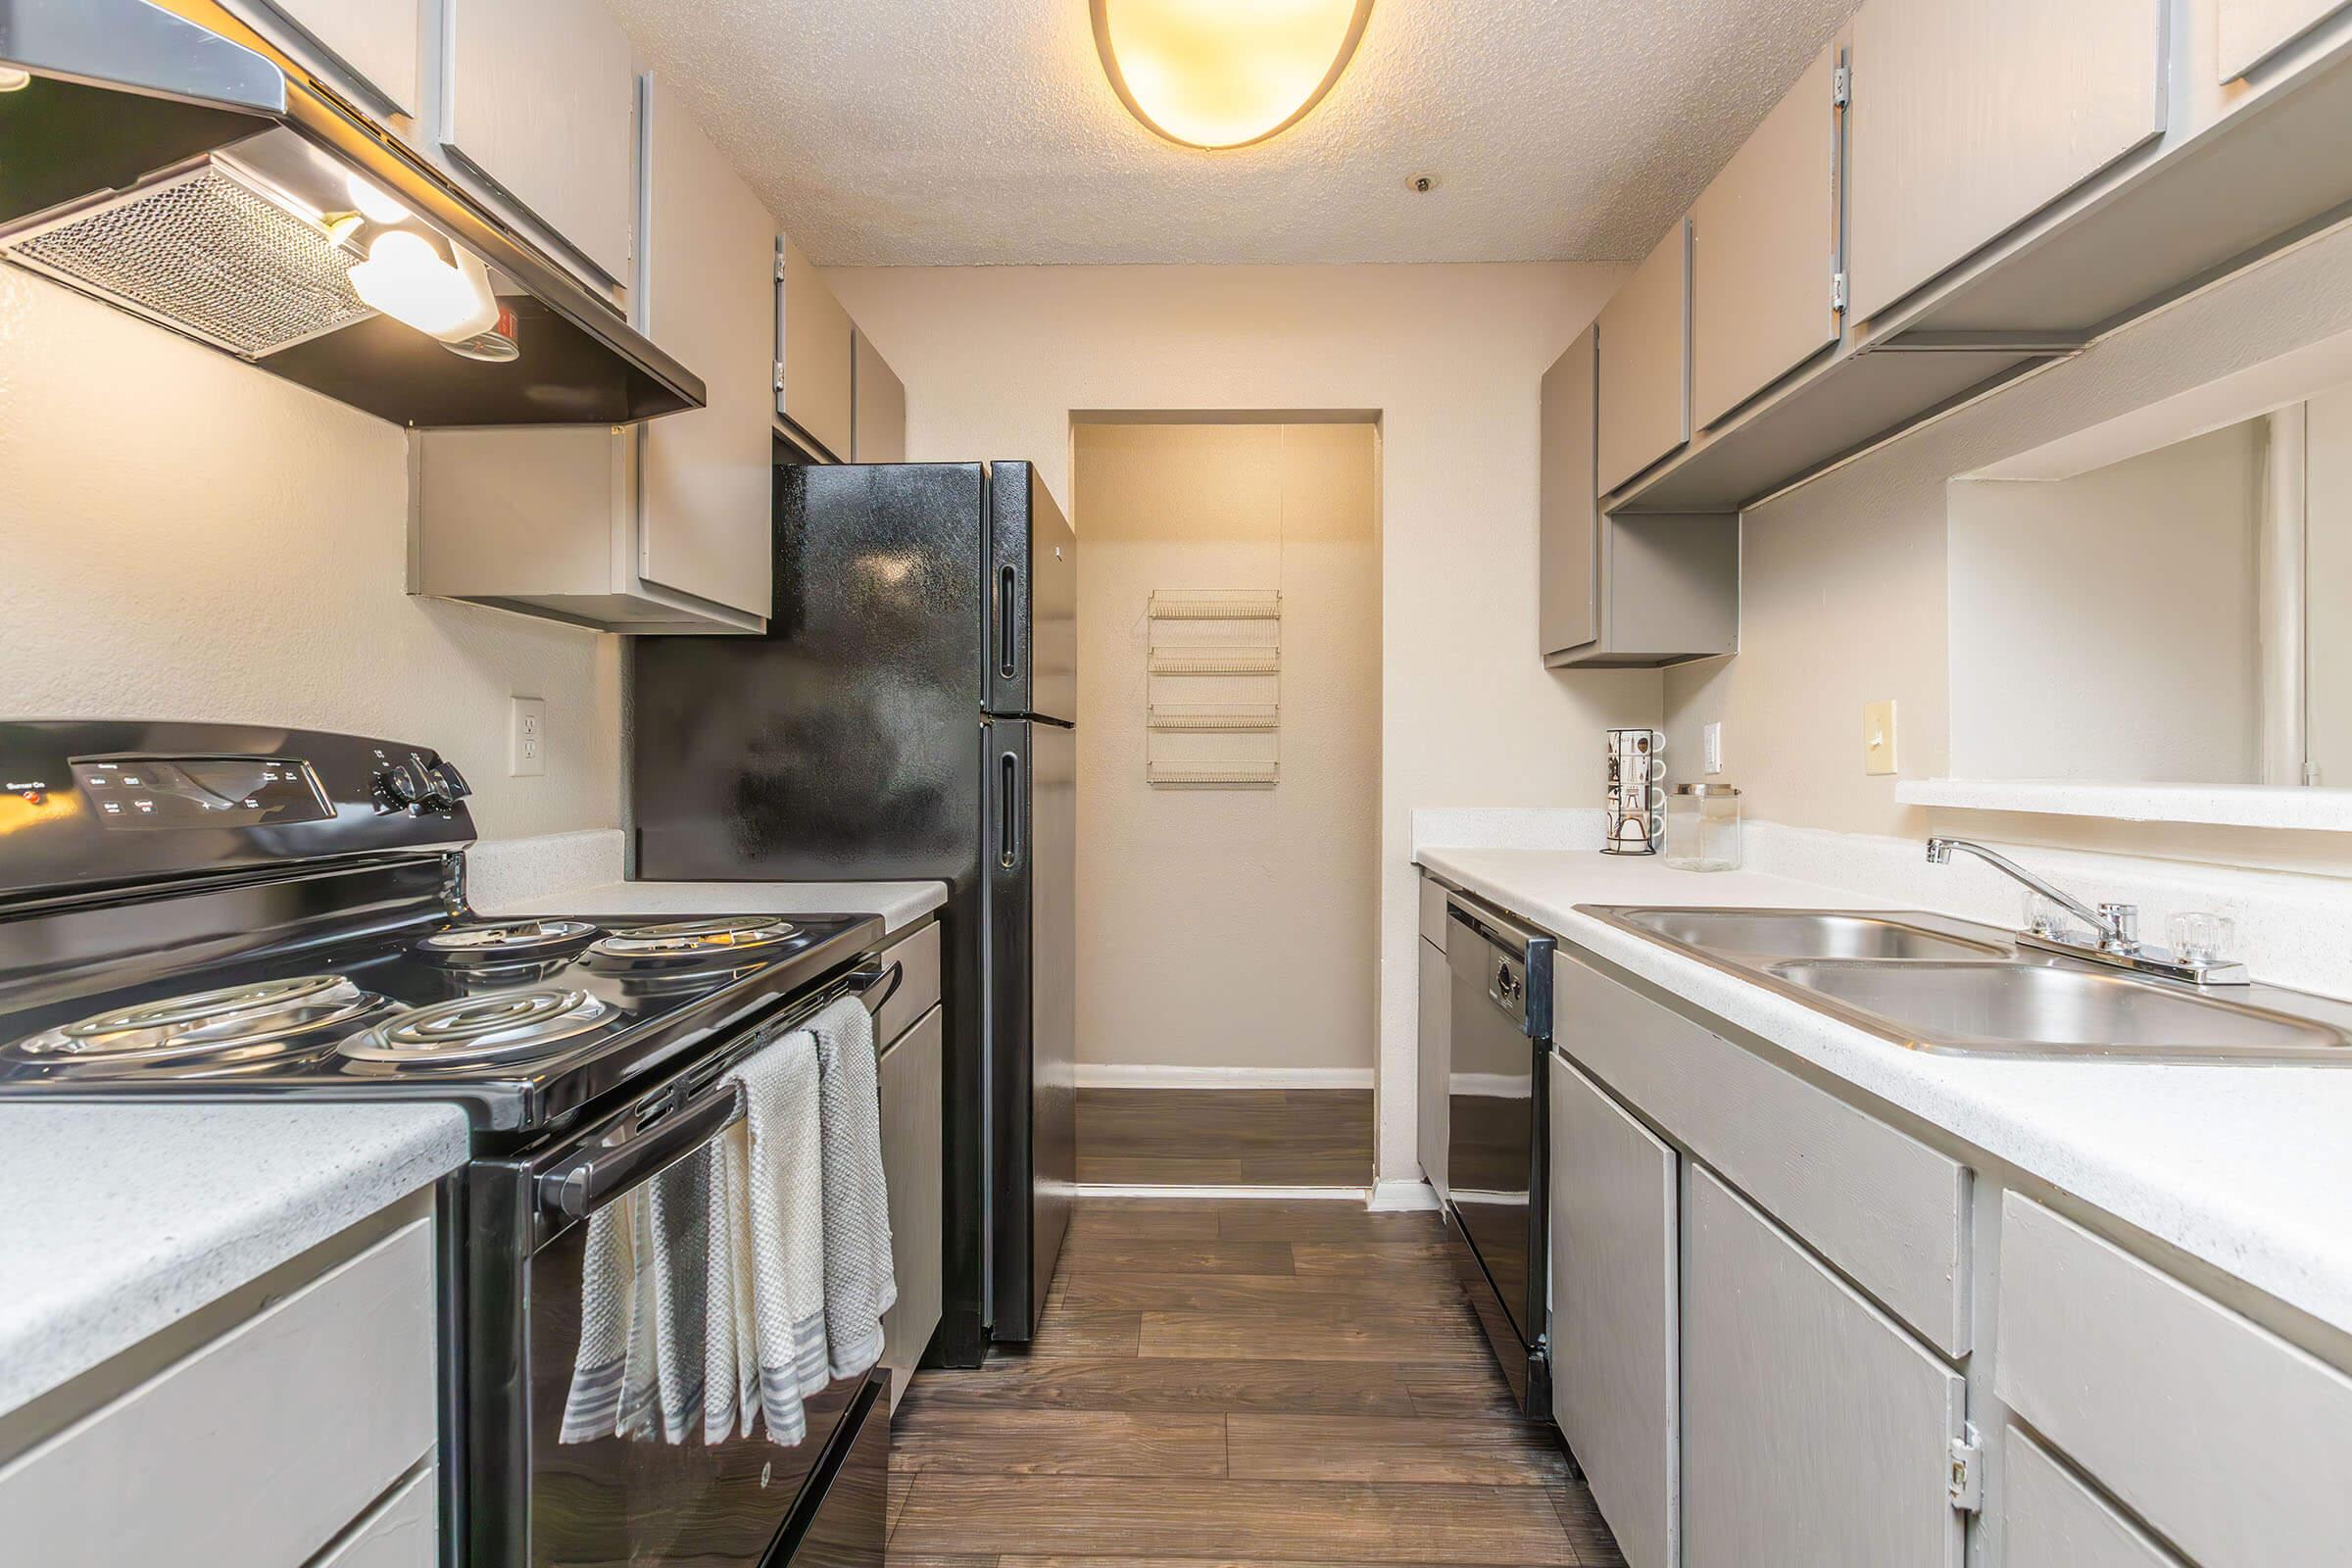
[
  {"x": 123, "y": 1219},
  {"x": 2248, "y": 1168},
  {"x": 899, "y": 904}
]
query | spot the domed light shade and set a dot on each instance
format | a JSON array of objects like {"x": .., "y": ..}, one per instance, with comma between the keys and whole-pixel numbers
[{"x": 1225, "y": 72}]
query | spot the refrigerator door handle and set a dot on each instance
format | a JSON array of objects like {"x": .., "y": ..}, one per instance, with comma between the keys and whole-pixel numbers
[
  {"x": 1008, "y": 644},
  {"x": 1009, "y": 811}
]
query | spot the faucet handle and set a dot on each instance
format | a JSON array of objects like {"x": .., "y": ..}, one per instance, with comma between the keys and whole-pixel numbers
[{"x": 2122, "y": 923}]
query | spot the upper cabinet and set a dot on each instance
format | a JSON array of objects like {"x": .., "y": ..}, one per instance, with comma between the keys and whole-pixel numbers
[
  {"x": 1969, "y": 119},
  {"x": 2250, "y": 31},
  {"x": 879, "y": 433},
  {"x": 815, "y": 374},
  {"x": 536, "y": 99},
  {"x": 705, "y": 289},
  {"x": 375, "y": 47},
  {"x": 1764, "y": 257},
  {"x": 1617, "y": 590},
  {"x": 1646, "y": 363}
]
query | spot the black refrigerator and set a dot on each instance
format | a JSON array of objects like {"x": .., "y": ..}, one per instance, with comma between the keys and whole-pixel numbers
[{"x": 910, "y": 714}]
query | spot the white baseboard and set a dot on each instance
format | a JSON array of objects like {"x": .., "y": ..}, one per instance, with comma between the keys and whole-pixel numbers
[
  {"x": 1393, "y": 1194},
  {"x": 1124, "y": 1075},
  {"x": 1361, "y": 1194}
]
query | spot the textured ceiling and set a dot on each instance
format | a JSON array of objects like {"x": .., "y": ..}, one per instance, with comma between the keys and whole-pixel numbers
[{"x": 976, "y": 132}]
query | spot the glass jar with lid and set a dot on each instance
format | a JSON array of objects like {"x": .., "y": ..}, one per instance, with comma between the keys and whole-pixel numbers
[{"x": 1703, "y": 828}]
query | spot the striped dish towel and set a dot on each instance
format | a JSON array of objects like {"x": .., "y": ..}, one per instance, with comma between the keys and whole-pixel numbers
[
  {"x": 608, "y": 1320},
  {"x": 860, "y": 1284},
  {"x": 784, "y": 1204}
]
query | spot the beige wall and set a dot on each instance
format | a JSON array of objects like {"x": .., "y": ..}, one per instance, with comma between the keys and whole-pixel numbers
[
  {"x": 996, "y": 358},
  {"x": 186, "y": 537},
  {"x": 1230, "y": 927},
  {"x": 1844, "y": 584},
  {"x": 2103, "y": 626}
]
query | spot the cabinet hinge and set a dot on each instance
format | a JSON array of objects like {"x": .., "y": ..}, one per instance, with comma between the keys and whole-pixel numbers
[
  {"x": 1842, "y": 87},
  {"x": 779, "y": 386},
  {"x": 779, "y": 266},
  {"x": 1838, "y": 292},
  {"x": 1967, "y": 1483}
]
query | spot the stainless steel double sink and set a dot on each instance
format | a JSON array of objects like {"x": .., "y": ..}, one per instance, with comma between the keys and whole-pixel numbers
[{"x": 1938, "y": 984}]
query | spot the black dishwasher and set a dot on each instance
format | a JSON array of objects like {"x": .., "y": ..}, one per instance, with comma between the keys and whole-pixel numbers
[{"x": 1501, "y": 1007}]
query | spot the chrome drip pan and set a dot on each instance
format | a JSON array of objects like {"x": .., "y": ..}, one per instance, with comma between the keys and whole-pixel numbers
[
  {"x": 505, "y": 1026},
  {"x": 231, "y": 1027},
  {"x": 505, "y": 940},
  {"x": 696, "y": 939}
]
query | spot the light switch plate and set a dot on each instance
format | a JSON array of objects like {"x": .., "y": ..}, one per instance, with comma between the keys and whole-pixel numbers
[
  {"x": 526, "y": 736},
  {"x": 1710, "y": 743},
  {"x": 1877, "y": 738}
]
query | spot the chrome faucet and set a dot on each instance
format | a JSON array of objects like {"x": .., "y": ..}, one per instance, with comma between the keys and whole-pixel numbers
[{"x": 2115, "y": 927}]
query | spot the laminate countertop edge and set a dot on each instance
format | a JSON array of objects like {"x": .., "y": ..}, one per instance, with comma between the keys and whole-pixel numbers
[
  {"x": 125, "y": 1218},
  {"x": 2242, "y": 1168}
]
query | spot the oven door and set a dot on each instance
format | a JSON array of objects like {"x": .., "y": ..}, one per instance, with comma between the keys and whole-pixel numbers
[{"x": 639, "y": 1501}]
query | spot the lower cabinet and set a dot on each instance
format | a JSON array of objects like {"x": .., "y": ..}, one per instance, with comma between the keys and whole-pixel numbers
[
  {"x": 1814, "y": 1429},
  {"x": 1435, "y": 1063},
  {"x": 912, "y": 1169},
  {"x": 1613, "y": 1313},
  {"x": 2051, "y": 1520}
]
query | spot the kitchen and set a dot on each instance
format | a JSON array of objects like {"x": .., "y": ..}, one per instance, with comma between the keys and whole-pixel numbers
[{"x": 1550, "y": 410}]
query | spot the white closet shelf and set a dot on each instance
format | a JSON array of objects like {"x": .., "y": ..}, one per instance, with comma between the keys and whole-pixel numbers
[
  {"x": 1216, "y": 661},
  {"x": 1177, "y": 604},
  {"x": 1211, "y": 775},
  {"x": 1216, "y": 717}
]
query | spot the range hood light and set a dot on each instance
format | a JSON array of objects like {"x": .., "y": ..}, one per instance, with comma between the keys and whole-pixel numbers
[
  {"x": 373, "y": 205},
  {"x": 404, "y": 277},
  {"x": 14, "y": 81}
]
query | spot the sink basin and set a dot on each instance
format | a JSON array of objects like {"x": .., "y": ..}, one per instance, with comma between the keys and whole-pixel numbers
[
  {"x": 1805, "y": 934},
  {"x": 2044, "y": 1008}
]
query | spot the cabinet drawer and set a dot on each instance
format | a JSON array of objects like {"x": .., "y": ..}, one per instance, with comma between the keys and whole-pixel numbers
[
  {"x": 917, "y": 953},
  {"x": 2054, "y": 1521},
  {"x": 1885, "y": 1208},
  {"x": 2231, "y": 1442},
  {"x": 404, "y": 1531},
  {"x": 272, "y": 1437},
  {"x": 1433, "y": 912}
]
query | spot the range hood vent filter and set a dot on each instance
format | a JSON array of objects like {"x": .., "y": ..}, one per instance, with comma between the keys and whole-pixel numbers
[{"x": 207, "y": 252}]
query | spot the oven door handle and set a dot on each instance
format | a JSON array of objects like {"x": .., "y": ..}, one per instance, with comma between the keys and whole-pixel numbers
[
  {"x": 576, "y": 1189},
  {"x": 883, "y": 977}
]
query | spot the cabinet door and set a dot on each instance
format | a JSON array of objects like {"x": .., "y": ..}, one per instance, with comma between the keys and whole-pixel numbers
[
  {"x": 1613, "y": 1313},
  {"x": 2250, "y": 31},
  {"x": 1569, "y": 540},
  {"x": 1764, "y": 249},
  {"x": 2051, "y": 1520},
  {"x": 706, "y": 292},
  {"x": 373, "y": 43},
  {"x": 1646, "y": 363},
  {"x": 915, "y": 1171},
  {"x": 538, "y": 99},
  {"x": 1437, "y": 1063},
  {"x": 815, "y": 355},
  {"x": 1969, "y": 119},
  {"x": 1814, "y": 1430},
  {"x": 880, "y": 433}
]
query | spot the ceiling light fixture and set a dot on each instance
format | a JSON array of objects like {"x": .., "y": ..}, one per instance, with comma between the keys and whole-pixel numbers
[
  {"x": 13, "y": 78},
  {"x": 1219, "y": 74}
]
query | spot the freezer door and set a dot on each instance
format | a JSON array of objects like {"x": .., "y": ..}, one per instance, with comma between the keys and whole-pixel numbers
[
  {"x": 1032, "y": 962},
  {"x": 1033, "y": 599}
]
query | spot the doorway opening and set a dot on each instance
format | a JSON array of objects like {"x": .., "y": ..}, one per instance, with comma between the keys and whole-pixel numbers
[{"x": 1228, "y": 822}]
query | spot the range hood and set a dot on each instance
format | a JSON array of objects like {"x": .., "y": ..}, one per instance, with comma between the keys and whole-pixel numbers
[{"x": 170, "y": 163}]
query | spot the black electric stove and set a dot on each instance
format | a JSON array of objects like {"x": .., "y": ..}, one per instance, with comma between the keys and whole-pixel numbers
[{"x": 200, "y": 911}]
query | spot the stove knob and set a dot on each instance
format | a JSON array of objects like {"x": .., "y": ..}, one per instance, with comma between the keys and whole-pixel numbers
[
  {"x": 449, "y": 784},
  {"x": 400, "y": 788}
]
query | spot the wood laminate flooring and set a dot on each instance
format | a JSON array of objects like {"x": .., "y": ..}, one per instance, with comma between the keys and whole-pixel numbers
[
  {"x": 1239, "y": 1384},
  {"x": 1225, "y": 1137}
]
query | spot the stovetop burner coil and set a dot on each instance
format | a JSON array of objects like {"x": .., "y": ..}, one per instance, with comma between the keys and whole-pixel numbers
[
  {"x": 499, "y": 1027},
  {"x": 696, "y": 939},
  {"x": 228, "y": 1027}
]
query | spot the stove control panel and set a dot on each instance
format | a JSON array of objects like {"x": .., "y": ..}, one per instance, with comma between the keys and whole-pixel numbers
[
  {"x": 89, "y": 803},
  {"x": 158, "y": 794}
]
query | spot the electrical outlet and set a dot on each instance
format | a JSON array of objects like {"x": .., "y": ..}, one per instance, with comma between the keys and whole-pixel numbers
[
  {"x": 526, "y": 736},
  {"x": 1877, "y": 739},
  {"x": 1710, "y": 743}
]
